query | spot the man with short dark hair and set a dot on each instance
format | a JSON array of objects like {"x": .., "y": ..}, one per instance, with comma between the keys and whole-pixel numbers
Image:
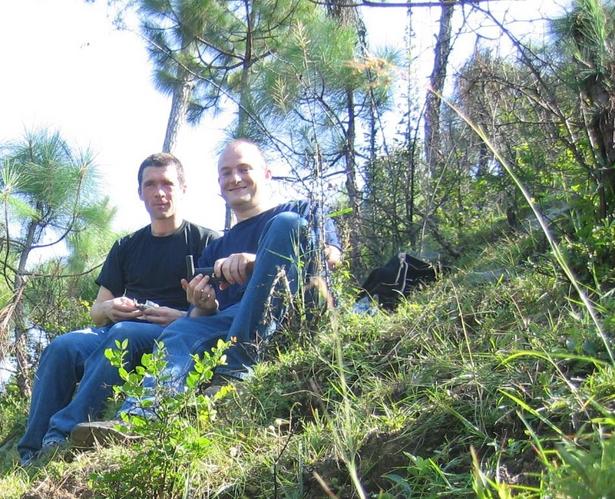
[{"x": 140, "y": 294}]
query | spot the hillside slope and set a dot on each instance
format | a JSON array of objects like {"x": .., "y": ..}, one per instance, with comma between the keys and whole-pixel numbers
[{"x": 477, "y": 386}]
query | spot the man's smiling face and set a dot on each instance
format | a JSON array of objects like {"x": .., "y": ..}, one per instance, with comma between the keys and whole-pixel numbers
[{"x": 243, "y": 176}]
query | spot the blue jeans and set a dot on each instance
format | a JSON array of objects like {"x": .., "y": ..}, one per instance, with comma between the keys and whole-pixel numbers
[
  {"x": 283, "y": 244},
  {"x": 75, "y": 358}
]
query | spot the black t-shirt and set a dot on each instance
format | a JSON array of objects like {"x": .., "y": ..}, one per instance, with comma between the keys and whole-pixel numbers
[{"x": 145, "y": 267}]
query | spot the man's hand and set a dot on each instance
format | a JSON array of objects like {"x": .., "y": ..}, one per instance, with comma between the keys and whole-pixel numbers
[
  {"x": 201, "y": 294},
  {"x": 119, "y": 309},
  {"x": 235, "y": 268},
  {"x": 162, "y": 316},
  {"x": 333, "y": 256}
]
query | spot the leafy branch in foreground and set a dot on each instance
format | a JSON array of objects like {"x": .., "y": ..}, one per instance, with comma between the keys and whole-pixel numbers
[{"x": 172, "y": 429}]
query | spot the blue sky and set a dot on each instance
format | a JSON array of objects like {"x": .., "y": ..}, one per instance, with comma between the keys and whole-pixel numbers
[{"x": 68, "y": 68}]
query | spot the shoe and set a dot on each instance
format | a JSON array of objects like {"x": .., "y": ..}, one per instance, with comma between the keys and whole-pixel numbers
[
  {"x": 147, "y": 414},
  {"x": 45, "y": 454},
  {"x": 27, "y": 459},
  {"x": 87, "y": 435},
  {"x": 52, "y": 445},
  {"x": 218, "y": 381}
]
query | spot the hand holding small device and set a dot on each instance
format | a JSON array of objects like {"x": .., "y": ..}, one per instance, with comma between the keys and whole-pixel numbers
[{"x": 146, "y": 306}]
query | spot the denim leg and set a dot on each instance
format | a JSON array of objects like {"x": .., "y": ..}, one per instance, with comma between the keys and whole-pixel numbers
[
  {"x": 282, "y": 245},
  {"x": 60, "y": 369},
  {"x": 100, "y": 376},
  {"x": 182, "y": 339}
]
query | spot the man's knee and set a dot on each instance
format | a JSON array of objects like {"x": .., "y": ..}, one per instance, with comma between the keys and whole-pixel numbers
[
  {"x": 176, "y": 327},
  {"x": 120, "y": 330},
  {"x": 63, "y": 348},
  {"x": 288, "y": 221},
  {"x": 117, "y": 334},
  {"x": 179, "y": 336},
  {"x": 140, "y": 337}
]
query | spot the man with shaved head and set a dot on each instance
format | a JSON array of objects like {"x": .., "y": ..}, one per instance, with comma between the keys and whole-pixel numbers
[
  {"x": 265, "y": 239},
  {"x": 248, "y": 257}
]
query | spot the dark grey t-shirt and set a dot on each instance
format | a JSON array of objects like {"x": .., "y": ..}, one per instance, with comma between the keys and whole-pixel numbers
[{"x": 145, "y": 267}]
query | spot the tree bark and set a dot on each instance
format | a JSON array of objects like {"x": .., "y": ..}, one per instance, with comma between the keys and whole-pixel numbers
[
  {"x": 19, "y": 318},
  {"x": 179, "y": 108},
  {"x": 351, "y": 184},
  {"x": 350, "y": 17},
  {"x": 244, "y": 92},
  {"x": 438, "y": 76},
  {"x": 411, "y": 134}
]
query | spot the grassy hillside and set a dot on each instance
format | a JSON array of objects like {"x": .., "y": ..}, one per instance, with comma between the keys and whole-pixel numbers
[{"x": 490, "y": 382}]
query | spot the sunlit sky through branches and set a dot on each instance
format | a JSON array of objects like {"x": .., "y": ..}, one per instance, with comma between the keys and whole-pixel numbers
[{"x": 66, "y": 67}]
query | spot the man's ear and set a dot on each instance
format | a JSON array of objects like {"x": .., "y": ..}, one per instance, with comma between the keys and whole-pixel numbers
[
  {"x": 140, "y": 193},
  {"x": 268, "y": 173}
]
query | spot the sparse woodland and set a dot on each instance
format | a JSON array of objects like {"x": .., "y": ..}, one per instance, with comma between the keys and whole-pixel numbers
[{"x": 497, "y": 380}]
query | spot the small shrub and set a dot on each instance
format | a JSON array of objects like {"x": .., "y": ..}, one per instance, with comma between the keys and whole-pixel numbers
[{"x": 174, "y": 439}]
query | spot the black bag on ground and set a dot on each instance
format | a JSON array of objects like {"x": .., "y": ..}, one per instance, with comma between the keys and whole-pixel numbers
[{"x": 391, "y": 282}]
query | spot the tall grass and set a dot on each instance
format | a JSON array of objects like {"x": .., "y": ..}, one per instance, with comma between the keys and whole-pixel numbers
[
  {"x": 470, "y": 388},
  {"x": 555, "y": 248}
]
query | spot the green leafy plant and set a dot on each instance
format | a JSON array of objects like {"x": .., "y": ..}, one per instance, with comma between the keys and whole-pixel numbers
[
  {"x": 172, "y": 431},
  {"x": 586, "y": 472},
  {"x": 424, "y": 476},
  {"x": 592, "y": 251}
]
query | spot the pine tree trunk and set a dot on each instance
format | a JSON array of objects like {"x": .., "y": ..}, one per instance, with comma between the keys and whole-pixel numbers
[
  {"x": 179, "y": 108},
  {"x": 19, "y": 314},
  {"x": 442, "y": 50},
  {"x": 438, "y": 76},
  {"x": 349, "y": 16},
  {"x": 410, "y": 132},
  {"x": 351, "y": 184},
  {"x": 244, "y": 94}
]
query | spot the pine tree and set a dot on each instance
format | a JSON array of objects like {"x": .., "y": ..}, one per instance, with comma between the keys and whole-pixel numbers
[
  {"x": 49, "y": 197},
  {"x": 588, "y": 33}
]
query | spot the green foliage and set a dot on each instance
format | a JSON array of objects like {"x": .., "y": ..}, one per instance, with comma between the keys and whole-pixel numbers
[
  {"x": 215, "y": 45},
  {"x": 495, "y": 381},
  {"x": 584, "y": 37},
  {"x": 387, "y": 225},
  {"x": 469, "y": 389},
  {"x": 318, "y": 51},
  {"x": 175, "y": 429},
  {"x": 315, "y": 88},
  {"x": 46, "y": 182},
  {"x": 586, "y": 470},
  {"x": 425, "y": 477},
  {"x": 435, "y": 393},
  {"x": 587, "y": 33},
  {"x": 592, "y": 250},
  {"x": 12, "y": 409},
  {"x": 58, "y": 304},
  {"x": 49, "y": 193}
]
